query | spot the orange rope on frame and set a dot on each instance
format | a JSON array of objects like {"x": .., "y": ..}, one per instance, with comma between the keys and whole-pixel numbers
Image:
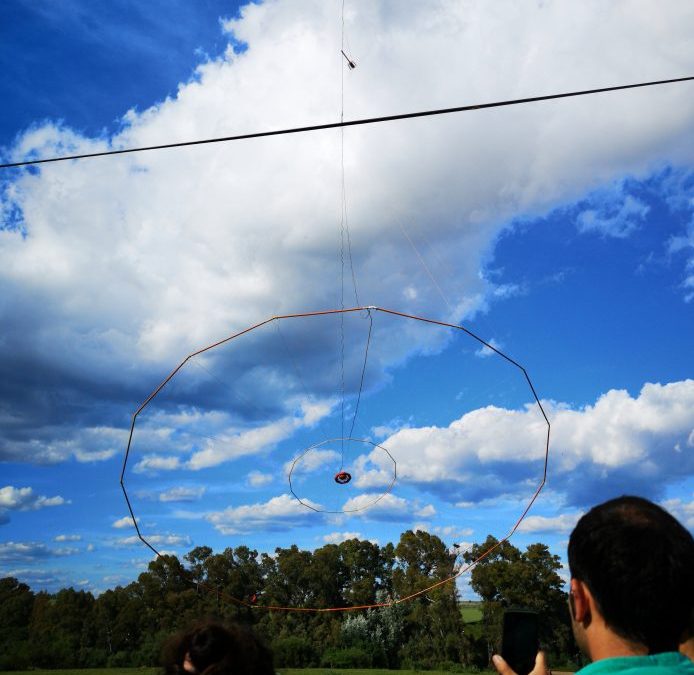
[{"x": 397, "y": 601}]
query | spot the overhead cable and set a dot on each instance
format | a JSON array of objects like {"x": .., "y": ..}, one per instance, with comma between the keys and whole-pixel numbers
[{"x": 348, "y": 123}]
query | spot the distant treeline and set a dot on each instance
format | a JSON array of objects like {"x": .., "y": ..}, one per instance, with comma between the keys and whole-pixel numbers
[{"x": 126, "y": 626}]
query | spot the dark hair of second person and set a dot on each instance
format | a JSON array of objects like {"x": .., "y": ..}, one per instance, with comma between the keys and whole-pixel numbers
[
  {"x": 638, "y": 562},
  {"x": 214, "y": 649}
]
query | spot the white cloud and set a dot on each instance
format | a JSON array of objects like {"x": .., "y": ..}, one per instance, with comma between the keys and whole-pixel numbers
[
  {"x": 370, "y": 474},
  {"x": 68, "y": 537},
  {"x": 376, "y": 506},
  {"x": 454, "y": 531},
  {"x": 427, "y": 511},
  {"x": 245, "y": 443},
  {"x": 258, "y": 478},
  {"x": 124, "y": 522},
  {"x": 25, "y": 552},
  {"x": 214, "y": 436},
  {"x": 170, "y": 285},
  {"x": 278, "y": 513},
  {"x": 312, "y": 460},
  {"x": 682, "y": 510},
  {"x": 563, "y": 523},
  {"x": 615, "y": 215},
  {"x": 57, "y": 444},
  {"x": 152, "y": 463},
  {"x": 23, "y": 499},
  {"x": 388, "y": 429},
  {"x": 155, "y": 540},
  {"x": 620, "y": 442},
  {"x": 339, "y": 537},
  {"x": 484, "y": 351},
  {"x": 686, "y": 243},
  {"x": 38, "y": 578},
  {"x": 182, "y": 494},
  {"x": 447, "y": 533}
]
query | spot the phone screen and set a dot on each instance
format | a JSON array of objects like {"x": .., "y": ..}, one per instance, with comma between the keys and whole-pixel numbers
[{"x": 519, "y": 641}]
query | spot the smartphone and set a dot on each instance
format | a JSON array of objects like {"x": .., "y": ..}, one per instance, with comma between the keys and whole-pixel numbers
[{"x": 519, "y": 642}]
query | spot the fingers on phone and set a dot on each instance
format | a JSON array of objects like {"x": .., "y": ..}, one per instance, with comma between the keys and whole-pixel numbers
[
  {"x": 504, "y": 669},
  {"x": 540, "y": 665},
  {"x": 501, "y": 666}
]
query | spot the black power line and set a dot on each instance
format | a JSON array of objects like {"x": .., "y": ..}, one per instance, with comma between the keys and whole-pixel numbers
[{"x": 350, "y": 123}]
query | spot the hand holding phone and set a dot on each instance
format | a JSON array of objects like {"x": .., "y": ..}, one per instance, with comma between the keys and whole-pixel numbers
[{"x": 519, "y": 641}]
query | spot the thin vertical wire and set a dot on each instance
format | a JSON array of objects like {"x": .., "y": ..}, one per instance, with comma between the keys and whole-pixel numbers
[
  {"x": 342, "y": 244},
  {"x": 344, "y": 236},
  {"x": 363, "y": 373}
]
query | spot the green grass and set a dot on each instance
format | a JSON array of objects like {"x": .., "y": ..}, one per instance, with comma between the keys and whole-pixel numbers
[
  {"x": 87, "y": 671},
  {"x": 471, "y": 611}
]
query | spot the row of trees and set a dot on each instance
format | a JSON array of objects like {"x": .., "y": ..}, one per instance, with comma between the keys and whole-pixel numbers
[{"x": 127, "y": 626}]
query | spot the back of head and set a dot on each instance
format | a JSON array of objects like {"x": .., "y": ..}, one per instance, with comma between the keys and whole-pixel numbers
[
  {"x": 638, "y": 563},
  {"x": 213, "y": 649}
]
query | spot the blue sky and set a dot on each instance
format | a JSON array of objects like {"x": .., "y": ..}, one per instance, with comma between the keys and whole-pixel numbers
[{"x": 562, "y": 233}]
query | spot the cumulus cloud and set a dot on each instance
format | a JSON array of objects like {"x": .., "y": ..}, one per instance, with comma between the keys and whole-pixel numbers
[
  {"x": 339, "y": 537},
  {"x": 24, "y": 499},
  {"x": 170, "y": 285},
  {"x": 153, "y": 463},
  {"x": 258, "y": 478},
  {"x": 124, "y": 522},
  {"x": 311, "y": 461},
  {"x": 155, "y": 540},
  {"x": 214, "y": 438},
  {"x": 389, "y": 507},
  {"x": 612, "y": 214},
  {"x": 563, "y": 523},
  {"x": 68, "y": 537},
  {"x": 454, "y": 532},
  {"x": 448, "y": 533},
  {"x": 620, "y": 443},
  {"x": 52, "y": 443},
  {"x": 279, "y": 513},
  {"x": 685, "y": 243},
  {"x": 27, "y": 552},
  {"x": 427, "y": 511},
  {"x": 39, "y": 578},
  {"x": 484, "y": 352},
  {"x": 182, "y": 494},
  {"x": 682, "y": 510}
]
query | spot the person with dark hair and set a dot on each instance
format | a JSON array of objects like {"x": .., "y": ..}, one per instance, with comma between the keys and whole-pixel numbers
[
  {"x": 210, "y": 648},
  {"x": 631, "y": 590}
]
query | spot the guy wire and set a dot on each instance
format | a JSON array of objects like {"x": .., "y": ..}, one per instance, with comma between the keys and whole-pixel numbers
[
  {"x": 426, "y": 268},
  {"x": 344, "y": 235}
]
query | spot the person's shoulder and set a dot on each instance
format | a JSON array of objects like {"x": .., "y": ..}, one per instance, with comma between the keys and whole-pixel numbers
[{"x": 668, "y": 663}]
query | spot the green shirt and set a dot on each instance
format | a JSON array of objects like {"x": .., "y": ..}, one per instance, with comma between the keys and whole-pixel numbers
[{"x": 667, "y": 663}]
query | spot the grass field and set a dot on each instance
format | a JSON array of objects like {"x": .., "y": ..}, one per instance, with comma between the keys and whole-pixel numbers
[
  {"x": 87, "y": 671},
  {"x": 471, "y": 611},
  {"x": 282, "y": 671}
]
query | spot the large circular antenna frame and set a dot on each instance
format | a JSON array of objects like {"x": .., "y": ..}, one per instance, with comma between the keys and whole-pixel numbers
[{"x": 542, "y": 479}]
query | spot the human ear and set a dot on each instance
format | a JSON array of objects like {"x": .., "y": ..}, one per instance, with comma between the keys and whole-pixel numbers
[{"x": 579, "y": 601}]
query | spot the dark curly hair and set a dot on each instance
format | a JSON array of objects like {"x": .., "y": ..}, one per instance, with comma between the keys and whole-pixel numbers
[{"x": 214, "y": 649}]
